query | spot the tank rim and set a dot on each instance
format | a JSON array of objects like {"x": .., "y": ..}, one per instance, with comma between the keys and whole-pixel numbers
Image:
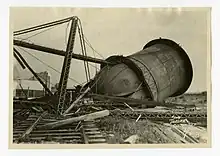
[
  {"x": 183, "y": 54},
  {"x": 117, "y": 59}
]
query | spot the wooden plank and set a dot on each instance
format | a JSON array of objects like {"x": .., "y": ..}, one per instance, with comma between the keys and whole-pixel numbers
[
  {"x": 95, "y": 136},
  {"x": 135, "y": 102},
  {"x": 86, "y": 117},
  {"x": 89, "y": 125},
  {"x": 77, "y": 100},
  {"x": 49, "y": 131},
  {"x": 56, "y": 138},
  {"x": 29, "y": 130},
  {"x": 54, "y": 134},
  {"x": 97, "y": 140},
  {"x": 184, "y": 135},
  {"x": 93, "y": 133},
  {"x": 84, "y": 136},
  {"x": 91, "y": 129}
]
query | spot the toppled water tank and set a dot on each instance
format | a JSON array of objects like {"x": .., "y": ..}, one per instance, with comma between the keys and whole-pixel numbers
[{"x": 160, "y": 70}]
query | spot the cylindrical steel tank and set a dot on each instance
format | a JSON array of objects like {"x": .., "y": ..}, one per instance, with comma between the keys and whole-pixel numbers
[{"x": 160, "y": 70}]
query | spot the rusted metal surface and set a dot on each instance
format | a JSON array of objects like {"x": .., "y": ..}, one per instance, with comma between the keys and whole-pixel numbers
[
  {"x": 167, "y": 66},
  {"x": 118, "y": 80},
  {"x": 162, "y": 69}
]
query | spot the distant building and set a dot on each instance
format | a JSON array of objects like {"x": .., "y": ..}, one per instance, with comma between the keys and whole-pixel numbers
[
  {"x": 31, "y": 87},
  {"x": 45, "y": 77},
  {"x": 28, "y": 88},
  {"x": 54, "y": 88}
]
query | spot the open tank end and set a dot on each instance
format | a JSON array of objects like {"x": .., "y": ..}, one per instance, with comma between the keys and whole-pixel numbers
[{"x": 160, "y": 70}]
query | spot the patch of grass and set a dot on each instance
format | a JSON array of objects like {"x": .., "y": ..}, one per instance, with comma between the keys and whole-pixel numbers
[{"x": 123, "y": 128}]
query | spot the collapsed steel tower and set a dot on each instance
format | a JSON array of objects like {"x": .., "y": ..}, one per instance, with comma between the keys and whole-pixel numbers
[{"x": 160, "y": 70}]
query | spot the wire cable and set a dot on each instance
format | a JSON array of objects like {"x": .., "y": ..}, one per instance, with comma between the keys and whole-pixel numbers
[
  {"x": 46, "y": 25},
  {"x": 47, "y": 64},
  {"x": 42, "y": 31},
  {"x": 89, "y": 44},
  {"x": 31, "y": 77},
  {"x": 82, "y": 43},
  {"x": 38, "y": 33},
  {"x": 83, "y": 40},
  {"x": 66, "y": 33}
]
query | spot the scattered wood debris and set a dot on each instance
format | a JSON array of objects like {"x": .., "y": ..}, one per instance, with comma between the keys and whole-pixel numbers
[
  {"x": 86, "y": 117},
  {"x": 132, "y": 139},
  {"x": 131, "y": 124},
  {"x": 30, "y": 129}
]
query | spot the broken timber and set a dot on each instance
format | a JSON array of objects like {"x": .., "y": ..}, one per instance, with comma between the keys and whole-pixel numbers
[
  {"x": 86, "y": 117},
  {"x": 84, "y": 136},
  {"x": 187, "y": 137},
  {"x": 30, "y": 129},
  {"x": 77, "y": 100},
  {"x": 136, "y": 102}
]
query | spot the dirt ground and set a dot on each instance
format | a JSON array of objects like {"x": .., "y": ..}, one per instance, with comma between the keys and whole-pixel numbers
[{"x": 118, "y": 129}]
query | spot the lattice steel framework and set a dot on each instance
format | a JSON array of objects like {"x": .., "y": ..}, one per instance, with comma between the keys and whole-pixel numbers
[
  {"x": 191, "y": 116},
  {"x": 66, "y": 66}
]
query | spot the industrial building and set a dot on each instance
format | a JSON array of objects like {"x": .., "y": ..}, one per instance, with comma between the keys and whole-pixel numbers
[{"x": 28, "y": 88}]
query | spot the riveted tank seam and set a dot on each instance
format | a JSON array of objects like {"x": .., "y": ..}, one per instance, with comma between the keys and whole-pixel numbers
[
  {"x": 150, "y": 75},
  {"x": 183, "y": 54},
  {"x": 132, "y": 65}
]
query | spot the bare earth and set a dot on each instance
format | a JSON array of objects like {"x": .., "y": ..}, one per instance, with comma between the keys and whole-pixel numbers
[{"x": 117, "y": 129}]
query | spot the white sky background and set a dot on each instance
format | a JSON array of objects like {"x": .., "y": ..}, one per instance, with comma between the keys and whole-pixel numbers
[{"x": 117, "y": 31}]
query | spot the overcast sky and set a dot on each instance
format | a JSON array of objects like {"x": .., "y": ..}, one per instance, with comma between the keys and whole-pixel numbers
[{"x": 115, "y": 31}]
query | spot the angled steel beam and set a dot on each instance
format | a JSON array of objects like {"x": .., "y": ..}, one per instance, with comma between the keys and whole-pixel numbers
[
  {"x": 66, "y": 66},
  {"x": 42, "y": 26},
  {"x": 19, "y": 61},
  {"x": 32, "y": 71},
  {"x": 58, "y": 52}
]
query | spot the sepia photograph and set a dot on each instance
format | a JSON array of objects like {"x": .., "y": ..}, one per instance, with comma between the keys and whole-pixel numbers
[{"x": 137, "y": 76}]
